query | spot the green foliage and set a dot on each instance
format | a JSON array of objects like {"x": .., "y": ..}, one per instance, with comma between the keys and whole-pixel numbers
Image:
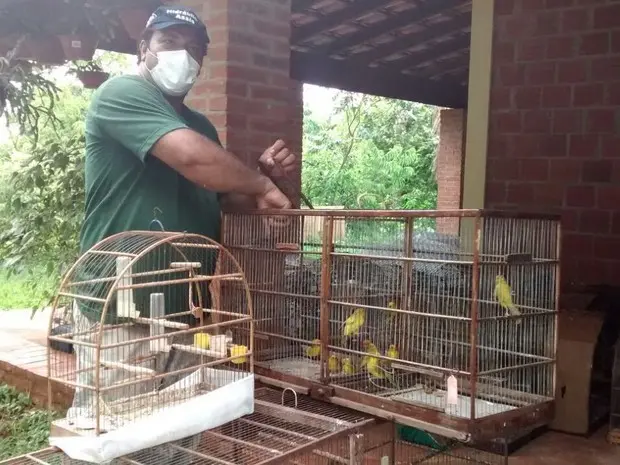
[
  {"x": 24, "y": 290},
  {"x": 42, "y": 196},
  {"x": 23, "y": 428},
  {"x": 27, "y": 97},
  {"x": 373, "y": 153}
]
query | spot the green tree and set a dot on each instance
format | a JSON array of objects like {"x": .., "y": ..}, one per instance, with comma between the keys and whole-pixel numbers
[
  {"x": 374, "y": 153},
  {"x": 42, "y": 194}
]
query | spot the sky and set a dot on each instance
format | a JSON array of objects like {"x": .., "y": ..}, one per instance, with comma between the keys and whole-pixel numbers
[{"x": 319, "y": 100}]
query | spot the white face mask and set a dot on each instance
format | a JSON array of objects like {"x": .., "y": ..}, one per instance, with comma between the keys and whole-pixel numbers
[{"x": 175, "y": 72}]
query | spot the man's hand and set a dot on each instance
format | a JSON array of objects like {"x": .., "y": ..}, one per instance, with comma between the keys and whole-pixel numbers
[
  {"x": 272, "y": 198},
  {"x": 278, "y": 156}
]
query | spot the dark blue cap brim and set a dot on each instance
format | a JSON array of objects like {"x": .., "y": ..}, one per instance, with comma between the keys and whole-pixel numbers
[{"x": 169, "y": 23}]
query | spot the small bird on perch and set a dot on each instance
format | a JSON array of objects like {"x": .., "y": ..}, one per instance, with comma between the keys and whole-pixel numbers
[
  {"x": 503, "y": 294},
  {"x": 354, "y": 322},
  {"x": 314, "y": 350}
]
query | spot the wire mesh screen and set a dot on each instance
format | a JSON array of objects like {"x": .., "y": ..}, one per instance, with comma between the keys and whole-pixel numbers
[
  {"x": 142, "y": 313},
  {"x": 451, "y": 315}
]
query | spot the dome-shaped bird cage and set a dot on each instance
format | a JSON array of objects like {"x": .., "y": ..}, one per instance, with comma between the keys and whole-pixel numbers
[{"x": 154, "y": 320}]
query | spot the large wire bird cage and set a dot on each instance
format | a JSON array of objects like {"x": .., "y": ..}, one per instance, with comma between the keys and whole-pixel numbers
[
  {"x": 141, "y": 312},
  {"x": 444, "y": 320}
]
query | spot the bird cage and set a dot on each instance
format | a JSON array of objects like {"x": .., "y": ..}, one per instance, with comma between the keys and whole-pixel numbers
[
  {"x": 285, "y": 428},
  {"x": 439, "y": 319},
  {"x": 153, "y": 347}
]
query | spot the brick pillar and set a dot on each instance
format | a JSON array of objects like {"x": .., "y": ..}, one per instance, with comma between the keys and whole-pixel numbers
[
  {"x": 449, "y": 166},
  {"x": 244, "y": 87}
]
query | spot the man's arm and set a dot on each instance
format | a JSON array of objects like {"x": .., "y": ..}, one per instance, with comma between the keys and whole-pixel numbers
[
  {"x": 133, "y": 112},
  {"x": 237, "y": 202},
  {"x": 205, "y": 163}
]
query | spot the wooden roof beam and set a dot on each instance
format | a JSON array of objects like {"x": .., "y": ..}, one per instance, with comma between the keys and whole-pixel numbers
[
  {"x": 411, "y": 40},
  {"x": 398, "y": 21},
  {"x": 331, "y": 20},
  {"x": 444, "y": 67},
  {"x": 342, "y": 74},
  {"x": 458, "y": 44},
  {"x": 300, "y": 6}
]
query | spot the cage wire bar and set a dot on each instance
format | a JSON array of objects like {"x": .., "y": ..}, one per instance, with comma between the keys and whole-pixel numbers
[
  {"x": 443, "y": 320},
  {"x": 142, "y": 313}
]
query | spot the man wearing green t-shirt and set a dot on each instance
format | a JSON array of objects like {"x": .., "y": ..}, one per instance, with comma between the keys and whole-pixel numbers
[
  {"x": 147, "y": 152},
  {"x": 145, "y": 149}
]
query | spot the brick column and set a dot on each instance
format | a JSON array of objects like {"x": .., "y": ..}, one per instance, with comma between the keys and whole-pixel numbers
[
  {"x": 244, "y": 87},
  {"x": 449, "y": 166}
]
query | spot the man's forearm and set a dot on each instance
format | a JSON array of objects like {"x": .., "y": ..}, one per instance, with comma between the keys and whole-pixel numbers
[
  {"x": 205, "y": 163},
  {"x": 237, "y": 202}
]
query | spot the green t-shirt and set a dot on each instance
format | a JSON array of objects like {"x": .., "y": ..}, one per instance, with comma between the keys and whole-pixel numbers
[{"x": 125, "y": 184}]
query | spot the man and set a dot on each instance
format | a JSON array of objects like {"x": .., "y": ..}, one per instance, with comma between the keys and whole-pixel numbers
[{"x": 147, "y": 152}]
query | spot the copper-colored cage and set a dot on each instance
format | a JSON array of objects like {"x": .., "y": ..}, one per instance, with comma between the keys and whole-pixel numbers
[
  {"x": 138, "y": 325},
  {"x": 291, "y": 429},
  {"x": 425, "y": 281}
]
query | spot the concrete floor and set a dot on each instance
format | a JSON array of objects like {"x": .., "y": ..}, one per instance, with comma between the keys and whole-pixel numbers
[
  {"x": 555, "y": 448},
  {"x": 549, "y": 449}
]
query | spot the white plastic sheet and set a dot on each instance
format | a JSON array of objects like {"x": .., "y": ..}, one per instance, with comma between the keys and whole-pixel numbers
[{"x": 207, "y": 411}]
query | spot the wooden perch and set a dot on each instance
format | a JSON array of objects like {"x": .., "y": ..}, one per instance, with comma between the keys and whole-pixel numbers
[
  {"x": 129, "y": 368},
  {"x": 185, "y": 265},
  {"x": 161, "y": 322},
  {"x": 199, "y": 351}
]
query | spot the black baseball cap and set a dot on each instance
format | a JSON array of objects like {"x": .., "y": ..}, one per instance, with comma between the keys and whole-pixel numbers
[{"x": 166, "y": 16}]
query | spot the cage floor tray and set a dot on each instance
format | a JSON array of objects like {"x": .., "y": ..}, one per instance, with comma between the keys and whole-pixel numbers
[
  {"x": 437, "y": 400},
  {"x": 296, "y": 366}
]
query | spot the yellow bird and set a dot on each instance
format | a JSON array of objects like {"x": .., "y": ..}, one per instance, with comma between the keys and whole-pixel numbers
[
  {"x": 372, "y": 366},
  {"x": 392, "y": 352},
  {"x": 333, "y": 364},
  {"x": 391, "y": 304},
  {"x": 239, "y": 352},
  {"x": 354, "y": 322},
  {"x": 503, "y": 294},
  {"x": 348, "y": 367},
  {"x": 370, "y": 348},
  {"x": 202, "y": 340},
  {"x": 314, "y": 350}
]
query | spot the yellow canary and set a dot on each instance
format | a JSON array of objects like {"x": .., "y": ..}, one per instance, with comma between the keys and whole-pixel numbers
[
  {"x": 503, "y": 294},
  {"x": 239, "y": 352},
  {"x": 202, "y": 340},
  {"x": 354, "y": 322},
  {"x": 370, "y": 348},
  {"x": 333, "y": 364},
  {"x": 314, "y": 350},
  {"x": 374, "y": 369},
  {"x": 392, "y": 352},
  {"x": 348, "y": 368},
  {"x": 391, "y": 304}
]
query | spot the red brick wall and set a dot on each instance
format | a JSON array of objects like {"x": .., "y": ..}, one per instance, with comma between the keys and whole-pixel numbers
[
  {"x": 554, "y": 120},
  {"x": 449, "y": 166},
  {"x": 245, "y": 87}
]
